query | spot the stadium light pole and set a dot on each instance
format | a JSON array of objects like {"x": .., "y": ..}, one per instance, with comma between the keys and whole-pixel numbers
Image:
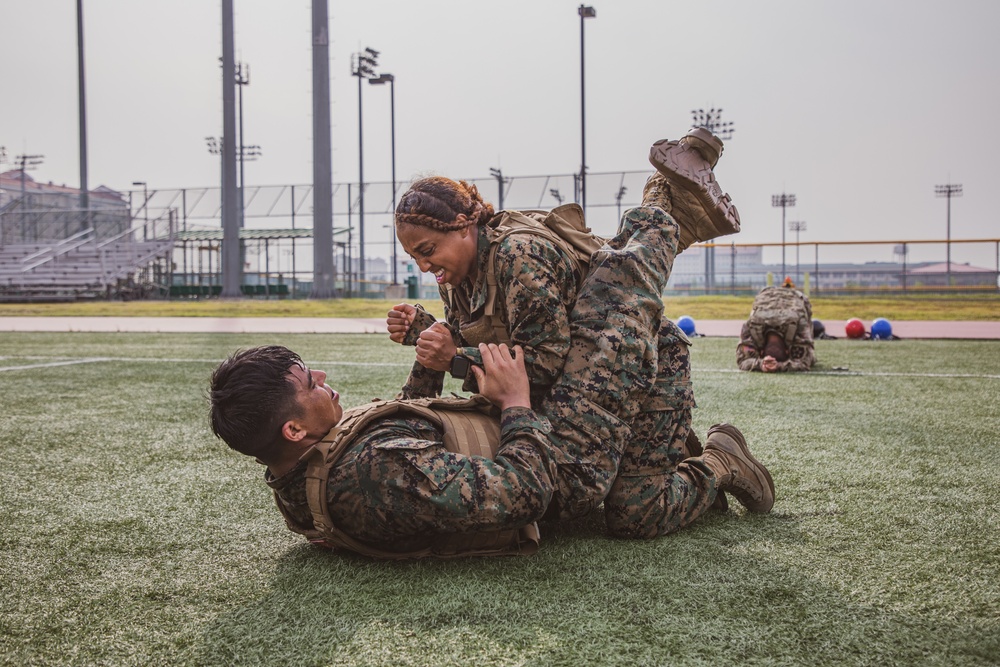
[
  {"x": 585, "y": 12},
  {"x": 232, "y": 246},
  {"x": 324, "y": 284},
  {"x": 82, "y": 117},
  {"x": 712, "y": 121},
  {"x": 363, "y": 67},
  {"x": 145, "y": 207},
  {"x": 501, "y": 181},
  {"x": 784, "y": 201},
  {"x": 391, "y": 80},
  {"x": 950, "y": 190},
  {"x": 3, "y": 160},
  {"x": 618, "y": 199},
  {"x": 241, "y": 79},
  {"x": 24, "y": 163},
  {"x": 797, "y": 226}
]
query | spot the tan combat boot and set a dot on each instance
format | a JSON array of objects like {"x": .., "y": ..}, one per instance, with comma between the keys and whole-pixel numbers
[
  {"x": 702, "y": 211},
  {"x": 736, "y": 470},
  {"x": 694, "y": 448},
  {"x": 709, "y": 145},
  {"x": 657, "y": 193}
]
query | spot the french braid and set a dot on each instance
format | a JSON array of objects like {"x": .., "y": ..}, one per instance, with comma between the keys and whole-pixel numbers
[{"x": 436, "y": 202}]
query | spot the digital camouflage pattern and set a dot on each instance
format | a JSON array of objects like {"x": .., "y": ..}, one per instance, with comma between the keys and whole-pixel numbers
[
  {"x": 786, "y": 311},
  {"x": 538, "y": 285},
  {"x": 659, "y": 488},
  {"x": 608, "y": 374},
  {"x": 621, "y": 411},
  {"x": 398, "y": 488}
]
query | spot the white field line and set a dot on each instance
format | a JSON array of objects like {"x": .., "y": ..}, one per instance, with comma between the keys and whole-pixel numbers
[
  {"x": 850, "y": 373},
  {"x": 320, "y": 364},
  {"x": 90, "y": 360}
]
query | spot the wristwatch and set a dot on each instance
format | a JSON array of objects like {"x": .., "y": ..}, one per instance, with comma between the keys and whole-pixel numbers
[{"x": 460, "y": 366}]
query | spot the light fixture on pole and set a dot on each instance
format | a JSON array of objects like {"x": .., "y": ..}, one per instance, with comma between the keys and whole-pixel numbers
[
  {"x": 797, "y": 226},
  {"x": 391, "y": 80},
  {"x": 784, "y": 201},
  {"x": 501, "y": 181},
  {"x": 712, "y": 121},
  {"x": 363, "y": 67},
  {"x": 950, "y": 190},
  {"x": 585, "y": 12}
]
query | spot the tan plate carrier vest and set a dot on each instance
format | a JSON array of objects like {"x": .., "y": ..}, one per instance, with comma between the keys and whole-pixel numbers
[
  {"x": 471, "y": 426},
  {"x": 785, "y": 310},
  {"x": 564, "y": 226}
]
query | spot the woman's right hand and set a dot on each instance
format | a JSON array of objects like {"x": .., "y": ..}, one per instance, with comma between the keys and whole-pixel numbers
[
  {"x": 503, "y": 378},
  {"x": 398, "y": 321},
  {"x": 435, "y": 347}
]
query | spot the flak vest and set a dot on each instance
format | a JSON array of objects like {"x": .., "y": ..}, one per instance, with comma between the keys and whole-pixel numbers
[
  {"x": 471, "y": 426},
  {"x": 785, "y": 310},
  {"x": 564, "y": 226}
]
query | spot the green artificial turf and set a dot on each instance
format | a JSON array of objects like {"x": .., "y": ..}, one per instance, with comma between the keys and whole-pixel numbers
[
  {"x": 913, "y": 306},
  {"x": 132, "y": 537}
]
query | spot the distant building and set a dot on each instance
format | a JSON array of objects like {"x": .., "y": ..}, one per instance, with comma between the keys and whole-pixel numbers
[
  {"x": 936, "y": 274},
  {"x": 720, "y": 266},
  {"x": 703, "y": 269},
  {"x": 32, "y": 212}
]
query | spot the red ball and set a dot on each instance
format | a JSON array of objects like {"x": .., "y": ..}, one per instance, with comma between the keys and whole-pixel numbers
[{"x": 855, "y": 328}]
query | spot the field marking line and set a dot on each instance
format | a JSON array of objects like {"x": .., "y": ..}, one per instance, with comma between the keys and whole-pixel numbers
[
  {"x": 90, "y": 360},
  {"x": 52, "y": 364},
  {"x": 865, "y": 374}
]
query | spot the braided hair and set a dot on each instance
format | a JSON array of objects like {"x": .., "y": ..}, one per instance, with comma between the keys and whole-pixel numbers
[{"x": 436, "y": 202}]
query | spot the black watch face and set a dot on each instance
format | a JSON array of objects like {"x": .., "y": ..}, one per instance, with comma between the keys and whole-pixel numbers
[{"x": 460, "y": 367}]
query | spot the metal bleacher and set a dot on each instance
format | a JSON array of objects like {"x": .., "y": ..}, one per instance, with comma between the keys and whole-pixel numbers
[{"x": 83, "y": 265}]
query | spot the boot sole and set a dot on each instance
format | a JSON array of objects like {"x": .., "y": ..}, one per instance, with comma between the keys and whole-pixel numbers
[
  {"x": 722, "y": 212},
  {"x": 735, "y": 434},
  {"x": 710, "y": 144}
]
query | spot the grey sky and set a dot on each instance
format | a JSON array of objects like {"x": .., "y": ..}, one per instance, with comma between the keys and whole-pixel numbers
[{"x": 858, "y": 107}]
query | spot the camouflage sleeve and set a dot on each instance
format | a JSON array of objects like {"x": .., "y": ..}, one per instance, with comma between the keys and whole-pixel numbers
[
  {"x": 747, "y": 356},
  {"x": 539, "y": 285},
  {"x": 422, "y": 383},
  {"x": 421, "y": 321},
  {"x": 802, "y": 356},
  {"x": 802, "y": 352},
  {"x": 406, "y": 485}
]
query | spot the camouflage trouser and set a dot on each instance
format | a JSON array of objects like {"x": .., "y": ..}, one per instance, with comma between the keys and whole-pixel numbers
[
  {"x": 612, "y": 362},
  {"x": 657, "y": 491}
]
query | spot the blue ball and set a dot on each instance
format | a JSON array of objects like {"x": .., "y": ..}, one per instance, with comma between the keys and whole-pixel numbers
[
  {"x": 686, "y": 325},
  {"x": 881, "y": 329}
]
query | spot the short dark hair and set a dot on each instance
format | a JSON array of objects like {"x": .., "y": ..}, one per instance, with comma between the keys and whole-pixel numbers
[
  {"x": 251, "y": 398},
  {"x": 774, "y": 346}
]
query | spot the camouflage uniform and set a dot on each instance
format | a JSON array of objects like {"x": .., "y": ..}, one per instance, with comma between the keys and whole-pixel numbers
[
  {"x": 786, "y": 311},
  {"x": 398, "y": 488},
  {"x": 621, "y": 411},
  {"x": 538, "y": 284},
  {"x": 654, "y": 493}
]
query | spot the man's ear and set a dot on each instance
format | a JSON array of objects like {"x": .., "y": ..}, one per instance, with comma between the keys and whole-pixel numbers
[{"x": 292, "y": 431}]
